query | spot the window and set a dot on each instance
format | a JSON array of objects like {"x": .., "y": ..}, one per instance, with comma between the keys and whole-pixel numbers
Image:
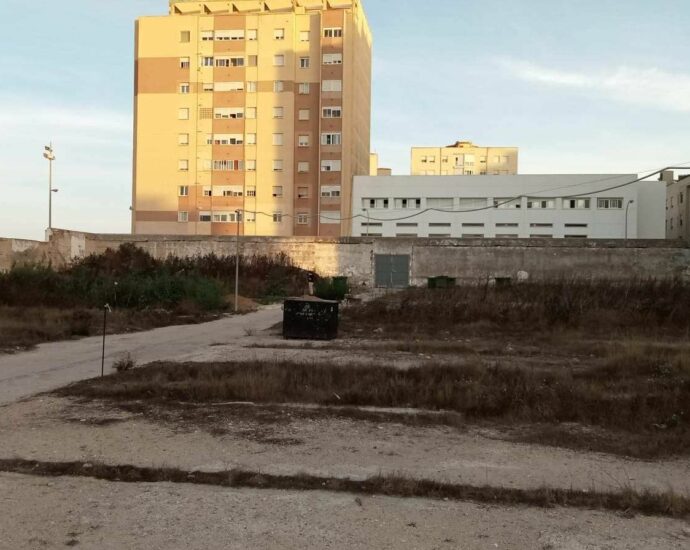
[
  {"x": 374, "y": 204},
  {"x": 580, "y": 225},
  {"x": 439, "y": 235},
  {"x": 278, "y": 112},
  {"x": 227, "y": 139},
  {"x": 183, "y": 217},
  {"x": 332, "y": 86},
  {"x": 278, "y": 60},
  {"x": 331, "y": 138},
  {"x": 251, "y": 139},
  {"x": 472, "y": 235},
  {"x": 440, "y": 203},
  {"x": 304, "y": 62},
  {"x": 207, "y": 86},
  {"x": 277, "y": 190},
  {"x": 507, "y": 203},
  {"x": 277, "y": 139},
  {"x": 228, "y": 165},
  {"x": 251, "y": 87},
  {"x": 303, "y": 192},
  {"x": 251, "y": 167},
  {"x": 251, "y": 112},
  {"x": 230, "y": 62},
  {"x": 206, "y": 36},
  {"x": 440, "y": 225},
  {"x": 303, "y": 167},
  {"x": 183, "y": 165},
  {"x": 207, "y": 61},
  {"x": 610, "y": 204},
  {"x": 406, "y": 225},
  {"x": 228, "y": 112},
  {"x": 540, "y": 236},
  {"x": 278, "y": 86},
  {"x": 204, "y": 216},
  {"x": 303, "y": 114},
  {"x": 549, "y": 225},
  {"x": 205, "y": 113},
  {"x": 304, "y": 88},
  {"x": 183, "y": 114},
  {"x": 184, "y": 62},
  {"x": 332, "y": 112},
  {"x": 251, "y": 191},
  {"x": 227, "y": 217},
  {"x": 277, "y": 165},
  {"x": 332, "y": 59},
  {"x": 278, "y": 34},
  {"x": 277, "y": 217},
  {"x": 575, "y": 236},
  {"x": 183, "y": 139},
  {"x": 302, "y": 219},
  {"x": 473, "y": 225},
  {"x": 333, "y": 32},
  {"x": 331, "y": 165},
  {"x": 304, "y": 36},
  {"x": 185, "y": 36},
  {"x": 506, "y": 236},
  {"x": 235, "y": 34},
  {"x": 330, "y": 191},
  {"x": 541, "y": 204},
  {"x": 252, "y": 34},
  {"x": 252, "y": 60},
  {"x": 576, "y": 204},
  {"x": 229, "y": 86},
  {"x": 183, "y": 191},
  {"x": 207, "y": 191},
  {"x": 408, "y": 204},
  {"x": 232, "y": 191},
  {"x": 303, "y": 141}
]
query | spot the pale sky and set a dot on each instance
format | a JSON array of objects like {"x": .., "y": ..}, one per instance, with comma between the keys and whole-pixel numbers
[{"x": 593, "y": 86}]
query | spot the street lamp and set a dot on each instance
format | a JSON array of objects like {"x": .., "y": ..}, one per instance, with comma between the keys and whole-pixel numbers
[
  {"x": 366, "y": 210},
  {"x": 50, "y": 156},
  {"x": 238, "y": 215},
  {"x": 627, "y": 207}
]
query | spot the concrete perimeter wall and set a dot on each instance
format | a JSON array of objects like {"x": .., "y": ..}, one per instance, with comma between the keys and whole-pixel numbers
[{"x": 463, "y": 259}]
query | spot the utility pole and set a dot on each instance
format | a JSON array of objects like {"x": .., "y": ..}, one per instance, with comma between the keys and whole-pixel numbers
[
  {"x": 238, "y": 214},
  {"x": 50, "y": 156}
]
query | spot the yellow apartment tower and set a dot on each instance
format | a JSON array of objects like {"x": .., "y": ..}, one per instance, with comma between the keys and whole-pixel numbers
[
  {"x": 464, "y": 158},
  {"x": 260, "y": 108}
]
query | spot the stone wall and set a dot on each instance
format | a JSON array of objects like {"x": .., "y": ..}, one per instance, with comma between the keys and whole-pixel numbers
[{"x": 354, "y": 257}]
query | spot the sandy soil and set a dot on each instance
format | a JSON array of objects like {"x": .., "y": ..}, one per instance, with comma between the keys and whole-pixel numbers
[
  {"x": 37, "y": 513},
  {"x": 52, "y": 429}
]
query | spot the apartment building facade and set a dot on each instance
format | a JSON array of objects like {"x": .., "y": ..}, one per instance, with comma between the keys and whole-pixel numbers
[
  {"x": 464, "y": 158},
  {"x": 250, "y": 116},
  {"x": 677, "y": 205},
  {"x": 510, "y": 207}
]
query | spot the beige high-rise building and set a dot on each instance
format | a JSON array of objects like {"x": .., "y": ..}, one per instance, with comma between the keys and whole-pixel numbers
[
  {"x": 261, "y": 107},
  {"x": 464, "y": 158}
]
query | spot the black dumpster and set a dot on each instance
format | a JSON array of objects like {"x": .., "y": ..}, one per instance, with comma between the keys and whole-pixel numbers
[
  {"x": 310, "y": 318},
  {"x": 441, "y": 282}
]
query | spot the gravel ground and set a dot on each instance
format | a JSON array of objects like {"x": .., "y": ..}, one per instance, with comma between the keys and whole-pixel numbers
[
  {"x": 38, "y": 513},
  {"x": 49, "y": 429}
]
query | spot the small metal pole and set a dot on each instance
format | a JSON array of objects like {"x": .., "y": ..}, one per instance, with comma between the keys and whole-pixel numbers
[
  {"x": 106, "y": 307},
  {"x": 627, "y": 207},
  {"x": 237, "y": 264}
]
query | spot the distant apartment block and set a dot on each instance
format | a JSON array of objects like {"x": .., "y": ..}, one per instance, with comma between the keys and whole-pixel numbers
[
  {"x": 464, "y": 158},
  {"x": 375, "y": 169},
  {"x": 509, "y": 207},
  {"x": 256, "y": 107},
  {"x": 677, "y": 210}
]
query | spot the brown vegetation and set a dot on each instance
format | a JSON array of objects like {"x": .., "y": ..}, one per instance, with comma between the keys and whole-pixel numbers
[
  {"x": 626, "y": 500},
  {"x": 643, "y": 393}
]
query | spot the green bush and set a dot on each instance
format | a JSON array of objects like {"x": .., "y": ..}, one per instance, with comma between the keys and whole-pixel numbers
[{"x": 331, "y": 288}]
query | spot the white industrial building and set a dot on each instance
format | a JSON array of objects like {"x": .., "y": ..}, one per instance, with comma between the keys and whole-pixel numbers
[{"x": 520, "y": 206}]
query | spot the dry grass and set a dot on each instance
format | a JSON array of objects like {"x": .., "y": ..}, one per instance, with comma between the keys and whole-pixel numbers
[
  {"x": 643, "y": 394},
  {"x": 22, "y": 328},
  {"x": 627, "y": 500},
  {"x": 642, "y": 306}
]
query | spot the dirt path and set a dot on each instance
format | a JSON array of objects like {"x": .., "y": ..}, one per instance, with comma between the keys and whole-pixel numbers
[
  {"x": 50, "y": 429},
  {"x": 59, "y": 363},
  {"x": 58, "y": 513}
]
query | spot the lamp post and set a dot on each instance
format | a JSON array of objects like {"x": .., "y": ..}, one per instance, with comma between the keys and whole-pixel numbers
[
  {"x": 367, "y": 212},
  {"x": 50, "y": 156},
  {"x": 627, "y": 207},
  {"x": 238, "y": 214}
]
